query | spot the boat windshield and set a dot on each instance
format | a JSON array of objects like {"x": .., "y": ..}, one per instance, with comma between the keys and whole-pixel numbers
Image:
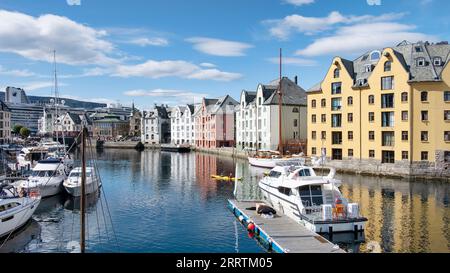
[
  {"x": 42, "y": 173},
  {"x": 78, "y": 174},
  {"x": 274, "y": 174},
  {"x": 311, "y": 195}
]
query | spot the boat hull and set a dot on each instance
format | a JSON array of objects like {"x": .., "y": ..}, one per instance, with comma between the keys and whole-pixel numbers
[
  {"x": 53, "y": 187},
  {"x": 270, "y": 163},
  {"x": 16, "y": 219},
  {"x": 76, "y": 190}
]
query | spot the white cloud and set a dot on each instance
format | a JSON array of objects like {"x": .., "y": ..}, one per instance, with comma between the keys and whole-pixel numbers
[
  {"x": 36, "y": 37},
  {"x": 374, "y": 2},
  {"x": 283, "y": 28},
  {"x": 16, "y": 73},
  {"x": 180, "y": 96},
  {"x": 219, "y": 47},
  {"x": 178, "y": 68},
  {"x": 73, "y": 2},
  {"x": 143, "y": 42},
  {"x": 32, "y": 86},
  {"x": 209, "y": 65},
  {"x": 362, "y": 37},
  {"x": 299, "y": 2},
  {"x": 294, "y": 61}
]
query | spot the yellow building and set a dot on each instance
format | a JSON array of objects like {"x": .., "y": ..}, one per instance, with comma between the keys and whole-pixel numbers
[{"x": 387, "y": 111}]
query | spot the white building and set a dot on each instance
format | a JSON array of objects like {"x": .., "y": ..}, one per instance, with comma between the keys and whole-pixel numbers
[
  {"x": 156, "y": 125},
  {"x": 257, "y": 117},
  {"x": 182, "y": 122}
]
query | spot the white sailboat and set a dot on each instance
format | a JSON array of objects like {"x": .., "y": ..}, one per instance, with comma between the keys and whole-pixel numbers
[
  {"x": 311, "y": 200},
  {"x": 15, "y": 210}
]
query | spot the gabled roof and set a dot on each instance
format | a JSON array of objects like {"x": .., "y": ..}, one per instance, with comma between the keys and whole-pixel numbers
[
  {"x": 292, "y": 94},
  {"x": 250, "y": 96},
  {"x": 4, "y": 107}
]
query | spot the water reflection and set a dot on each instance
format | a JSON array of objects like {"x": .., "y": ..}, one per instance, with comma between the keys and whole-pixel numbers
[
  {"x": 20, "y": 240},
  {"x": 73, "y": 203}
]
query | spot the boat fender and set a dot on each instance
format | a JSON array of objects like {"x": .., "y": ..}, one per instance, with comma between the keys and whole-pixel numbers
[
  {"x": 241, "y": 218},
  {"x": 269, "y": 241},
  {"x": 251, "y": 227}
]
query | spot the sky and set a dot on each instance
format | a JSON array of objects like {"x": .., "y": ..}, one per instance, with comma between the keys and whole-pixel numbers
[{"x": 177, "y": 51}]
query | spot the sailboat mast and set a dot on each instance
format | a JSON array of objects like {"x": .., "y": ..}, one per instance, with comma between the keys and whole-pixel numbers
[
  {"x": 280, "y": 95},
  {"x": 83, "y": 189},
  {"x": 56, "y": 96}
]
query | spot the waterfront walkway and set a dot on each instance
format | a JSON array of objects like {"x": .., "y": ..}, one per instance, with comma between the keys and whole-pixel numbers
[{"x": 282, "y": 234}]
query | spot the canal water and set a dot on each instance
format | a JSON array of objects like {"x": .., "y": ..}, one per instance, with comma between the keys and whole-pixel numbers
[{"x": 160, "y": 202}]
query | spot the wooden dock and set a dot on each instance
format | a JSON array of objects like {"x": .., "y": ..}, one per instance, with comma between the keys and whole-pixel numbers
[{"x": 281, "y": 234}]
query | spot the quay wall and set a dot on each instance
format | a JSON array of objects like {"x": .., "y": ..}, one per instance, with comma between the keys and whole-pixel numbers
[{"x": 439, "y": 170}]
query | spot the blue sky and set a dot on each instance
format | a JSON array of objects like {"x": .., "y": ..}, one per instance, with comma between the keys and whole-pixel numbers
[{"x": 176, "y": 51}]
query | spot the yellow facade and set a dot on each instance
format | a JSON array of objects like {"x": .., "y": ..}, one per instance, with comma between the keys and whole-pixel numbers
[{"x": 368, "y": 142}]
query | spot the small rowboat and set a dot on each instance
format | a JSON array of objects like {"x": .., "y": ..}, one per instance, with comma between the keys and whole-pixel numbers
[{"x": 225, "y": 178}]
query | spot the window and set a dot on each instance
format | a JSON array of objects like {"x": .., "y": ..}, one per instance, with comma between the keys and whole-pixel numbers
[
  {"x": 323, "y": 118},
  {"x": 388, "y": 157},
  {"x": 350, "y": 117},
  {"x": 350, "y": 101},
  {"x": 418, "y": 49},
  {"x": 371, "y": 116},
  {"x": 324, "y": 135},
  {"x": 274, "y": 174},
  {"x": 323, "y": 103},
  {"x": 404, "y": 97},
  {"x": 314, "y": 150},
  {"x": 336, "y": 104},
  {"x": 387, "y": 66},
  {"x": 313, "y": 118},
  {"x": 388, "y": 139},
  {"x": 336, "y": 73},
  {"x": 446, "y": 95},
  {"x": 336, "y": 88},
  {"x": 336, "y": 120},
  {"x": 447, "y": 136},
  {"x": 372, "y": 153},
  {"x": 424, "y": 96},
  {"x": 350, "y": 135},
  {"x": 368, "y": 68},
  {"x": 404, "y": 115},
  {"x": 371, "y": 99},
  {"x": 387, "y": 101},
  {"x": 387, "y": 83},
  {"x": 424, "y": 115},
  {"x": 336, "y": 154},
  {"x": 259, "y": 101},
  {"x": 404, "y": 135},
  {"x": 405, "y": 155},
  {"x": 371, "y": 135},
  {"x": 437, "y": 61},
  {"x": 447, "y": 115},
  {"x": 350, "y": 152},
  {"x": 387, "y": 119},
  {"x": 424, "y": 136},
  {"x": 424, "y": 156},
  {"x": 447, "y": 156},
  {"x": 337, "y": 138},
  {"x": 285, "y": 191},
  {"x": 313, "y": 103},
  {"x": 375, "y": 55},
  {"x": 295, "y": 110},
  {"x": 420, "y": 61},
  {"x": 313, "y": 135},
  {"x": 311, "y": 195},
  {"x": 295, "y": 122}
]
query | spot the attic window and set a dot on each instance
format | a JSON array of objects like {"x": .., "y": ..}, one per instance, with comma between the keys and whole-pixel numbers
[
  {"x": 437, "y": 61},
  {"x": 418, "y": 49},
  {"x": 375, "y": 55},
  {"x": 420, "y": 61},
  {"x": 368, "y": 68}
]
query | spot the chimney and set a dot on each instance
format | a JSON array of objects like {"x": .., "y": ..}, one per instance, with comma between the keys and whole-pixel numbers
[{"x": 296, "y": 80}]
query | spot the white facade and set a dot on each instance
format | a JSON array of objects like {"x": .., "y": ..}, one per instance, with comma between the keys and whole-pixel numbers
[
  {"x": 257, "y": 118},
  {"x": 182, "y": 125},
  {"x": 155, "y": 126}
]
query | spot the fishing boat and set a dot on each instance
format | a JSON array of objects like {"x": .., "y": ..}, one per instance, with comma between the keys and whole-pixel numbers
[
  {"x": 47, "y": 176},
  {"x": 16, "y": 208},
  {"x": 73, "y": 183},
  {"x": 311, "y": 200}
]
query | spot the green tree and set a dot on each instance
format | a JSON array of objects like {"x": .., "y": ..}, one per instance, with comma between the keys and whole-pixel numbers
[
  {"x": 25, "y": 132},
  {"x": 16, "y": 129}
]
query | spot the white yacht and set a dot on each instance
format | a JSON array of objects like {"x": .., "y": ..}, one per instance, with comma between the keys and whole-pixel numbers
[
  {"x": 28, "y": 156},
  {"x": 73, "y": 183},
  {"x": 269, "y": 159},
  {"x": 47, "y": 176},
  {"x": 15, "y": 210},
  {"x": 311, "y": 200}
]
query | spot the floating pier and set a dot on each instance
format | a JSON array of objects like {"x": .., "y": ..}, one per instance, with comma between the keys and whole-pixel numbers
[{"x": 281, "y": 234}]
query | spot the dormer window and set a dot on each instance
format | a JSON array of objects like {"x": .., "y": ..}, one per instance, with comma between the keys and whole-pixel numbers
[
  {"x": 420, "y": 61},
  {"x": 437, "y": 61},
  {"x": 418, "y": 49},
  {"x": 336, "y": 73}
]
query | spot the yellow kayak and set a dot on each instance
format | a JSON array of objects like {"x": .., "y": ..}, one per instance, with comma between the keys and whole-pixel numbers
[{"x": 225, "y": 178}]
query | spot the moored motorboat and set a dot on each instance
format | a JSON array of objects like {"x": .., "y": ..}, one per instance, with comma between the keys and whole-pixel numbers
[
  {"x": 270, "y": 159},
  {"x": 313, "y": 201},
  {"x": 73, "y": 183}
]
